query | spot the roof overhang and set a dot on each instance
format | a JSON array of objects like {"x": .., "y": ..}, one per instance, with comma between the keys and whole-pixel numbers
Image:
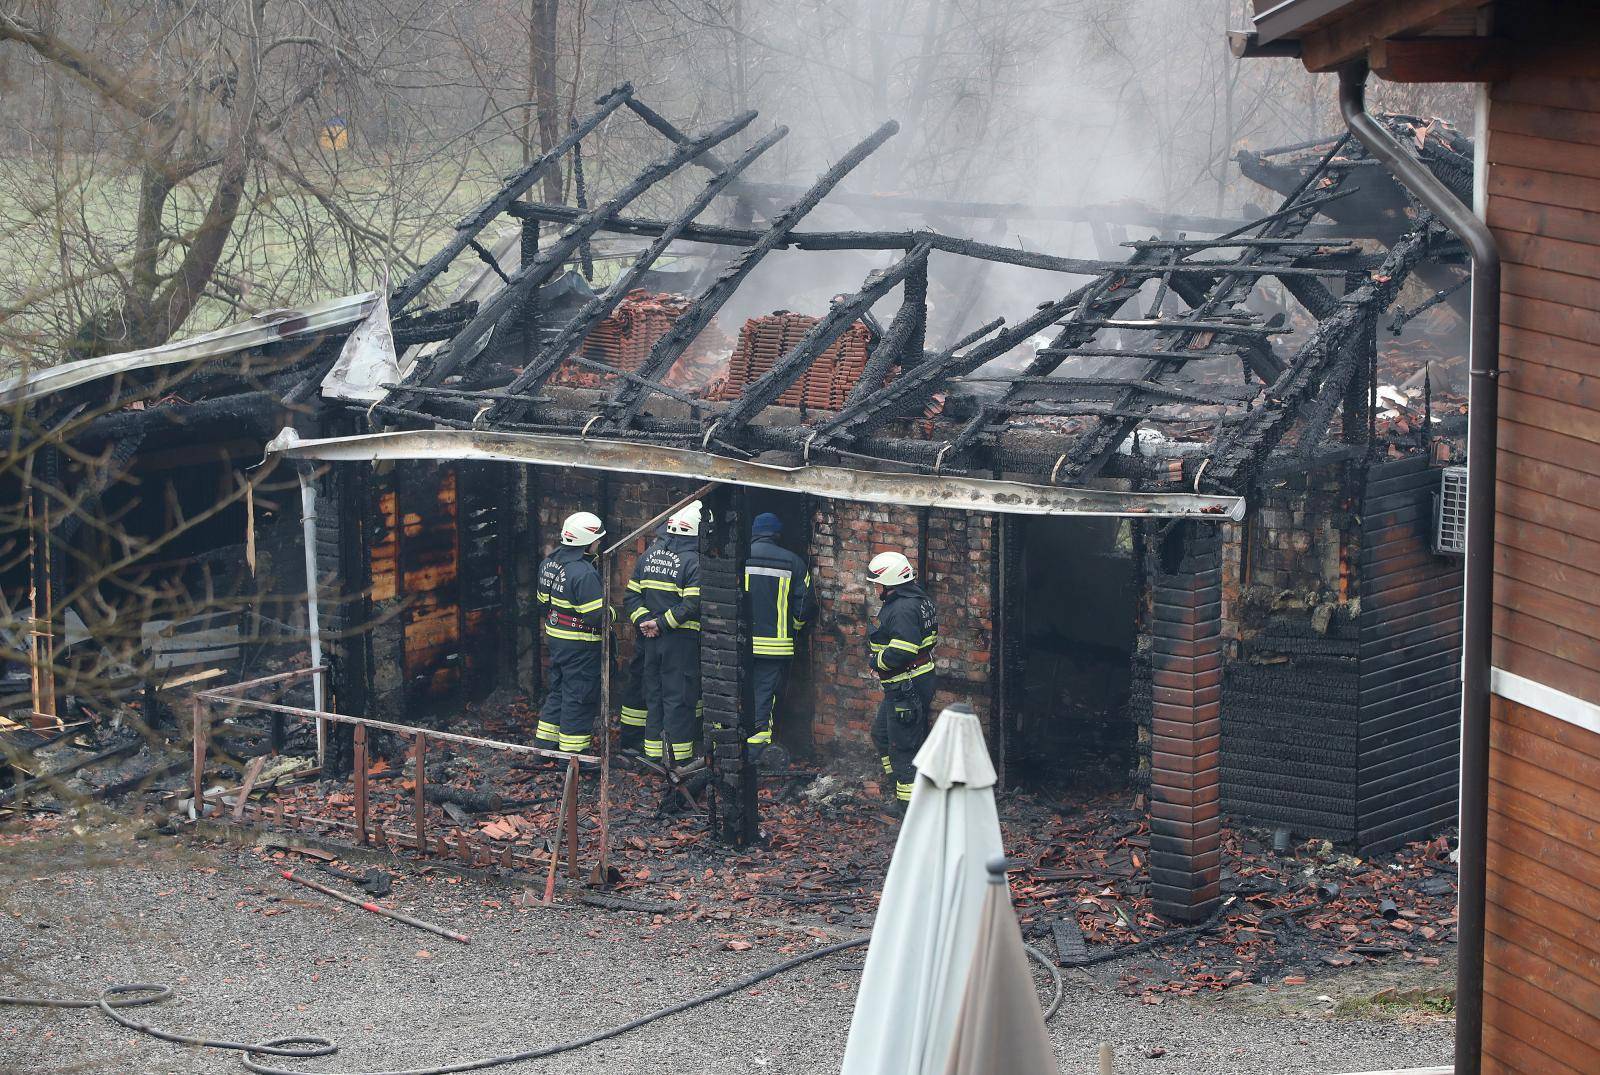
[
  {"x": 266, "y": 327},
  {"x": 1428, "y": 40},
  {"x": 839, "y": 483}
]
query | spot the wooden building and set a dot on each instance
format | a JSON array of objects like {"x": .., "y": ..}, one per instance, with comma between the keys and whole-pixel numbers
[{"x": 1531, "y": 858}]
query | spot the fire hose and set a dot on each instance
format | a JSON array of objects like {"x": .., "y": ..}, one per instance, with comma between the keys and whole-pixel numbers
[{"x": 133, "y": 995}]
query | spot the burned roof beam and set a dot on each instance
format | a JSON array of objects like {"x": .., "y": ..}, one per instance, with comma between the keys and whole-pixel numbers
[
  {"x": 1115, "y": 214},
  {"x": 530, "y": 276},
  {"x": 891, "y": 345},
  {"x": 759, "y": 394},
  {"x": 625, "y": 401},
  {"x": 1244, "y": 451},
  {"x": 573, "y": 333},
  {"x": 723, "y": 235},
  {"x": 468, "y": 227}
]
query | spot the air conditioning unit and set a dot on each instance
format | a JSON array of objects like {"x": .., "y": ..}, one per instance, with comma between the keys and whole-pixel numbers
[{"x": 1450, "y": 513}]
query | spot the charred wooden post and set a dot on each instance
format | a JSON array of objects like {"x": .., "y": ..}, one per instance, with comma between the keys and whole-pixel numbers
[
  {"x": 1186, "y": 725},
  {"x": 724, "y": 663},
  {"x": 627, "y": 398}
]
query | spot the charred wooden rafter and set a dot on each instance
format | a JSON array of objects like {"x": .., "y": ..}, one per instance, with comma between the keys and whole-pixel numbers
[
  {"x": 573, "y": 333},
  {"x": 624, "y": 403},
  {"x": 529, "y": 277},
  {"x": 468, "y": 227},
  {"x": 844, "y": 313}
]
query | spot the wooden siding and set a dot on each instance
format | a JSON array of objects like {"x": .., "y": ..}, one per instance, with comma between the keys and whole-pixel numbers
[
  {"x": 1542, "y": 972},
  {"x": 1408, "y": 740},
  {"x": 1544, "y": 206},
  {"x": 1542, "y": 949}
]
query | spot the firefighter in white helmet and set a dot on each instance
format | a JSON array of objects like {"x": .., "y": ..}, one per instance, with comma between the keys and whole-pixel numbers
[
  {"x": 900, "y": 648},
  {"x": 663, "y": 602},
  {"x": 572, "y": 605}
]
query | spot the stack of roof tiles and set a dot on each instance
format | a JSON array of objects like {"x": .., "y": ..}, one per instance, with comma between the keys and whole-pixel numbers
[
  {"x": 765, "y": 340},
  {"x": 625, "y": 337}
]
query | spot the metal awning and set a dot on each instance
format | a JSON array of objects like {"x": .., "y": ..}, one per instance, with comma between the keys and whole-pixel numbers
[
  {"x": 839, "y": 483},
  {"x": 264, "y": 328}
]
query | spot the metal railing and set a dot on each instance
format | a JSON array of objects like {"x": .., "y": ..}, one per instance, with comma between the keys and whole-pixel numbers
[{"x": 473, "y": 850}]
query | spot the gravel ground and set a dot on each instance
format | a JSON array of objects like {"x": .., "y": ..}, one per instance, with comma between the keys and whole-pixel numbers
[{"x": 252, "y": 956}]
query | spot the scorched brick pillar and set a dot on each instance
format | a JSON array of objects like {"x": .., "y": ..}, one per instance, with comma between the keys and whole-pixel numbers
[{"x": 1186, "y": 724}]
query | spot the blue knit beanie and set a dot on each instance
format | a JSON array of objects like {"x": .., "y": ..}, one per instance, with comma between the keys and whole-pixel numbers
[{"x": 766, "y": 525}]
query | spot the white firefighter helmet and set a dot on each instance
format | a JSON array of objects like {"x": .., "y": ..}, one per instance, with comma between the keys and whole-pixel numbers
[
  {"x": 582, "y": 529},
  {"x": 686, "y": 520},
  {"x": 890, "y": 569}
]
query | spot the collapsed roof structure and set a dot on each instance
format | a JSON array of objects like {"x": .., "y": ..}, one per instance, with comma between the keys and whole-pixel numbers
[{"x": 1168, "y": 337}]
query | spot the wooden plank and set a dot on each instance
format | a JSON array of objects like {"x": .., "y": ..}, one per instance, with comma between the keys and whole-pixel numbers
[
  {"x": 1516, "y": 1037},
  {"x": 1532, "y": 813},
  {"x": 1538, "y": 410},
  {"x": 1546, "y": 253},
  {"x": 1533, "y": 599},
  {"x": 1570, "y": 990},
  {"x": 1535, "y": 86},
  {"x": 1532, "y": 748},
  {"x": 1535, "y": 938},
  {"x": 1532, "y": 345},
  {"x": 1557, "y": 787},
  {"x": 1555, "y": 318},
  {"x": 1547, "y": 188},
  {"x": 1546, "y": 284},
  {"x": 1441, "y": 59},
  {"x": 1543, "y": 154},
  {"x": 1524, "y": 896},
  {"x": 1532, "y": 442},
  {"x": 1523, "y": 521},
  {"x": 1553, "y": 638},
  {"x": 1541, "y": 667},
  {"x": 1544, "y": 121},
  {"x": 1526, "y": 567},
  {"x": 1531, "y": 721},
  {"x": 1551, "y": 883},
  {"x": 1555, "y": 383}
]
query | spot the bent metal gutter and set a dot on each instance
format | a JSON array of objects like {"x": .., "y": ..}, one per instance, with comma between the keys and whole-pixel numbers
[
  {"x": 1478, "y": 592},
  {"x": 840, "y": 483}
]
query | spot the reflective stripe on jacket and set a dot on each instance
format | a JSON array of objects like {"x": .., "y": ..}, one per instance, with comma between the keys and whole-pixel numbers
[
  {"x": 666, "y": 584},
  {"x": 901, "y": 645},
  {"x": 570, "y": 596},
  {"x": 778, "y": 589}
]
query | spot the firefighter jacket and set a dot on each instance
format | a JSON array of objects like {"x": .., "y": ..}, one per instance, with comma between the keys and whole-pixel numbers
[
  {"x": 901, "y": 645},
  {"x": 570, "y": 596},
  {"x": 666, "y": 584},
  {"x": 778, "y": 589}
]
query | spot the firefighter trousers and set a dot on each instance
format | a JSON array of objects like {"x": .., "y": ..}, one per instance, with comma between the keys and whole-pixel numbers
[
  {"x": 672, "y": 693},
  {"x": 573, "y": 701},
  {"x": 901, "y": 726},
  {"x": 634, "y": 709},
  {"x": 766, "y": 679}
]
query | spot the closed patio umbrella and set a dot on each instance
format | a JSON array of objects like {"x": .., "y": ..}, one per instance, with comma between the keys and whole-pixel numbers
[{"x": 931, "y": 920}]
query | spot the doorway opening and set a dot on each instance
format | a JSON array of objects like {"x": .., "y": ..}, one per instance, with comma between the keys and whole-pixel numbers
[{"x": 1072, "y": 602}]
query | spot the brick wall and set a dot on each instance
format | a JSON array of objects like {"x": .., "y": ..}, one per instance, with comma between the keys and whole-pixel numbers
[{"x": 959, "y": 551}]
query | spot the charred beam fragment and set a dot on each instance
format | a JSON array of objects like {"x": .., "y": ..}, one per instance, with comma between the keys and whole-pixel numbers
[
  {"x": 1245, "y": 449},
  {"x": 468, "y": 227},
  {"x": 893, "y": 344},
  {"x": 625, "y": 401},
  {"x": 767, "y": 388},
  {"x": 573, "y": 333}
]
